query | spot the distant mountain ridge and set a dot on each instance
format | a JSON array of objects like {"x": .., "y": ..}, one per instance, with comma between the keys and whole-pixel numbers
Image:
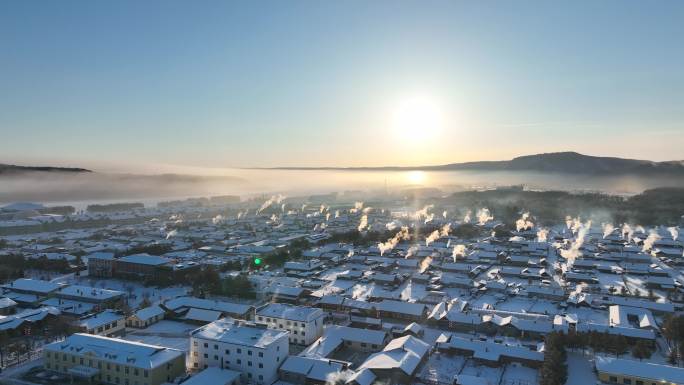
[
  {"x": 12, "y": 169},
  {"x": 556, "y": 162}
]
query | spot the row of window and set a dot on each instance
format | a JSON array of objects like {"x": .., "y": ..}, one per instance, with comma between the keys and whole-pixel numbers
[
  {"x": 239, "y": 350},
  {"x": 628, "y": 381},
  {"x": 288, "y": 323},
  {"x": 117, "y": 367},
  {"x": 117, "y": 380},
  {"x": 238, "y": 361},
  {"x": 249, "y": 375}
]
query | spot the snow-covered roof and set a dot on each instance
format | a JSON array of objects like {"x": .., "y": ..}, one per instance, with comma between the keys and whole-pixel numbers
[
  {"x": 403, "y": 353},
  {"x": 116, "y": 350},
  {"x": 145, "y": 259},
  {"x": 641, "y": 369},
  {"x": 100, "y": 319},
  {"x": 291, "y": 312},
  {"x": 32, "y": 285},
  {"x": 149, "y": 312},
  {"x": 238, "y": 333},
  {"x": 213, "y": 376},
  {"x": 316, "y": 369}
]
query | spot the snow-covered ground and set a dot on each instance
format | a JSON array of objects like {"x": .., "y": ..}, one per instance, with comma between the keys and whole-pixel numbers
[{"x": 580, "y": 370}]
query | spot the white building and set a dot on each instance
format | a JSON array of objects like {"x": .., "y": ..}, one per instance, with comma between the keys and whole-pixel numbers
[
  {"x": 305, "y": 324},
  {"x": 252, "y": 349}
]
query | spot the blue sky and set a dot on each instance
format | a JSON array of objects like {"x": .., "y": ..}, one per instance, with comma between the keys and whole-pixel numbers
[{"x": 127, "y": 84}]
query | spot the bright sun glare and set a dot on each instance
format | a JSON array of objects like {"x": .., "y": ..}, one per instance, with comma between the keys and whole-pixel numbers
[
  {"x": 417, "y": 118},
  {"x": 416, "y": 177}
]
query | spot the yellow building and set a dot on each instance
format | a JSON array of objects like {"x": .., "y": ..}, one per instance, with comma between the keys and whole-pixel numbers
[
  {"x": 114, "y": 361},
  {"x": 632, "y": 372}
]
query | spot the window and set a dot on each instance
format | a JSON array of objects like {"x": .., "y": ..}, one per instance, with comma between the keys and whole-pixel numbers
[
  {"x": 249, "y": 363},
  {"x": 363, "y": 344},
  {"x": 194, "y": 343},
  {"x": 239, "y": 361},
  {"x": 261, "y": 354},
  {"x": 627, "y": 381},
  {"x": 215, "y": 347},
  {"x": 374, "y": 346},
  {"x": 261, "y": 318},
  {"x": 613, "y": 379},
  {"x": 146, "y": 373},
  {"x": 239, "y": 351},
  {"x": 206, "y": 355},
  {"x": 261, "y": 366},
  {"x": 227, "y": 351},
  {"x": 216, "y": 357},
  {"x": 249, "y": 352},
  {"x": 206, "y": 345},
  {"x": 261, "y": 377}
]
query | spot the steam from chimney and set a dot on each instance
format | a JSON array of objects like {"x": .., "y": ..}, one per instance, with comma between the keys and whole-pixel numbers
[
  {"x": 429, "y": 218},
  {"x": 217, "y": 220},
  {"x": 422, "y": 213},
  {"x": 391, "y": 243},
  {"x": 337, "y": 213},
  {"x": 483, "y": 216},
  {"x": 363, "y": 223},
  {"x": 674, "y": 232},
  {"x": 573, "y": 252},
  {"x": 444, "y": 214},
  {"x": 542, "y": 234},
  {"x": 607, "y": 229},
  {"x": 411, "y": 251},
  {"x": 432, "y": 237},
  {"x": 524, "y": 223},
  {"x": 424, "y": 264},
  {"x": 322, "y": 209},
  {"x": 327, "y": 216},
  {"x": 393, "y": 225},
  {"x": 466, "y": 218},
  {"x": 357, "y": 207},
  {"x": 171, "y": 234},
  {"x": 276, "y": 199},
  {"x": 573, "y": 224},
  {"x": 459, "y": 251},
  {"x": 650, "y": 240},
  {"x": 446, "y": 229}
]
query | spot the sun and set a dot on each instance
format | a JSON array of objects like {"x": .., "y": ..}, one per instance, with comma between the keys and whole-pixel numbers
[
  {"x": 416, "y": 177},
  {"x": 417, "y": 118}
]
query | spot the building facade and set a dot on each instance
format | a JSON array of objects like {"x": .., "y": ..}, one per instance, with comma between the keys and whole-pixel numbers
[{"x": 252, "y": 349}]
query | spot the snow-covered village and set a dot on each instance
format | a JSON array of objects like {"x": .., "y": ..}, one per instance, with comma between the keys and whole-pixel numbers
[{"x": 329, "y": 289}]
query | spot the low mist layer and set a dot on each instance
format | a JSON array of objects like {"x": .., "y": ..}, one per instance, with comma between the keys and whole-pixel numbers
[{"x": 61, "y": 187}]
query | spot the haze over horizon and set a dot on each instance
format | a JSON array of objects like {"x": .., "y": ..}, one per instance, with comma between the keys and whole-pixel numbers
[{"x": 181, "y": 87}]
